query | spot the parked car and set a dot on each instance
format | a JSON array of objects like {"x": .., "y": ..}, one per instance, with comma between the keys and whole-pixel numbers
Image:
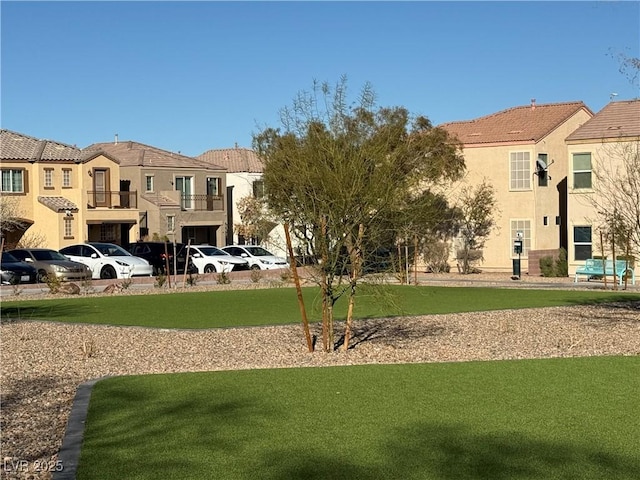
[
  {"x": 157, "y": 254},
  {"x": 108, "y": 260},
  {"x": 257, "y": 257},
  {"x": 210, "y": 259},
  {"x": 51, "y": 262},
  {"x": 14, "y": 271}
]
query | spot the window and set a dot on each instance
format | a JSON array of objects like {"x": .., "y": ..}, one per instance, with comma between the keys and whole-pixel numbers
[
  {"x": 258, "y": 189},
  {"x": 12, "y": 181},
  {"x": 214, "y": 186},
  {"x": 581, "y": 170},
  {"x": 185, "y": 185},
  {"x": 171, "y": 223},
  {"x": 66, "y": 177},
  {"x": 541, "y": 170},
  {"x": 520, "y": 171},
  {"x": 149, "y": 183},
  {"x": 48, "y": 178},
  {"x": 68, "y": 227},
  {"x": 107, "y": 232},
  {"x": 582, "y": 243},
  {"x": 523, "y": 226}
]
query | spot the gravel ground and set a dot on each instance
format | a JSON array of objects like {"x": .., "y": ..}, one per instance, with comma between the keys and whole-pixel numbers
[{"x": 43, "y": 363}]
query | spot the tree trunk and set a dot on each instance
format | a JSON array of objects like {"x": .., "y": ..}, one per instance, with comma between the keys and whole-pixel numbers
[
  {"x": 355, "y": 252},
  {"x": 325, "y": 287},
  {"x": 415, "y": 260},
  {"x": 296, "y": 279}
]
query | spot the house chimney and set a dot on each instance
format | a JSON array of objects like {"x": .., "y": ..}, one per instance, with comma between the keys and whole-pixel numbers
[
  {"x": 116, "y": 139},
  {"x": 236, "y": 145},
  {"x": 533, "y": 104}
]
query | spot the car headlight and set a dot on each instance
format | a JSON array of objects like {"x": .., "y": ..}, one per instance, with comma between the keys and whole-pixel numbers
[
  {"x": 59, "y": 268},
  {"x": 222, "y": 262},
  {"x": 266, "y": 262},
  {"x": 122, "y": 264}
]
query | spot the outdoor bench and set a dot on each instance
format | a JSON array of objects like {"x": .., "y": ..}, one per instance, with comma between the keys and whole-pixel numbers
[{"x": 596, "y": 267}]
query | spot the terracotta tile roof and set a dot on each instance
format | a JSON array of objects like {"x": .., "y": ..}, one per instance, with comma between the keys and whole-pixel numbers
[
  {"x": 131, "y": 154},
  {"x": 160, "y": 200},
  {"x": 17, "y": 146},
  {"x": 58, "y": 204},
  {"x": 234, "y": 159},
  {"x": 615, "y": 120},
  {"x": 519, "y": 124}
]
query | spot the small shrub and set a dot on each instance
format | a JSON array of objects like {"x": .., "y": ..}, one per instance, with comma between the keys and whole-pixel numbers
[
  {"x": 285, "y": 275},
  {"x": 160, "y": 280},
  {"x": 547, "y": 266},
  {"x": 436, "y": 257},
  {"x": 562, "y": 266},
  {"x": 88, "y": 348},
  {"x": 222, "y": 278},
  {"x": 126, "y": 283},
  {"x": 192, "y": 280},
  {"x": 555, "y": 266},
  {"x": 87, "y": 286},
  {"x": 256, "y": 275},
  {"x": 17, "y": 289},
  {"x": 53, "y": 283}
]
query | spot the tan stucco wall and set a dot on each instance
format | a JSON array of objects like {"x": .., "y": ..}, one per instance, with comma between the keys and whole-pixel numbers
[{"x": 492, "y": 163}]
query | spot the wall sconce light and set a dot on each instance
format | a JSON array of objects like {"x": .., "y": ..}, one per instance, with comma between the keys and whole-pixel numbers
[
  {"x": 171, "y": 183},
  {"x": 90, "y": 173},
  {"x": 68, "y": 213}
]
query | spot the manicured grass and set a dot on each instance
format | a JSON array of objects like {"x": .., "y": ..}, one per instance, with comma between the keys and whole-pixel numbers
[
  {"x": 527, "y": 419},
  {"x": 279, "y": 306}
]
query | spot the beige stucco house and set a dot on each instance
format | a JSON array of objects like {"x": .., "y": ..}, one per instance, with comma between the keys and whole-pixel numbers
[
  {"x": 65, "y": 195},
  {"x": 597, "y": 150},
  {"x": 521, "y": 151},
  {"x": 180, "y": 198}
]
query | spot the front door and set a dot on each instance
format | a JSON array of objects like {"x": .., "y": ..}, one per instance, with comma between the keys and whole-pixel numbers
[{"x": 101, "y": 187}]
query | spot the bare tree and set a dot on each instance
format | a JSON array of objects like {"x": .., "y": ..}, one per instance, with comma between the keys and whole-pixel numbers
[{"x": 12, "y": 222}]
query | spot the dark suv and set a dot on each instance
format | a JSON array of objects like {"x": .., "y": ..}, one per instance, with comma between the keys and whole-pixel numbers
[{"x": 157, "y": 253}]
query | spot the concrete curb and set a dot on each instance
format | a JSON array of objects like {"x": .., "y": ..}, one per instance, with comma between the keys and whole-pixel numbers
[{"x": 69, "y": 454}]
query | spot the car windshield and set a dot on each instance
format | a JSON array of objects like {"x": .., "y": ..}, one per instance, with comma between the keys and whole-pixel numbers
[
  {"x": 44, "y": 255},
  {"x": 211, "y": 251},
  {"x": 7, "y": 257},
  {"x": 111, "y": 250},
  {"x": 258, "y": 251}
]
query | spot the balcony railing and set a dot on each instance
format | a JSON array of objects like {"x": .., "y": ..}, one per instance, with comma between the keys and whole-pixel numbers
[
  {"x": 111, "y": 199},
  {"x": 213, "y": 203}
]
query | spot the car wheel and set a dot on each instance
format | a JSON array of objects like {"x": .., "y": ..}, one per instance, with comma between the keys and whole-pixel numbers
[
  {"x": 210, "y": 269},
  {"x": 108, "y": 273},
  {"x": 255, "y": 267},
  {"x": 42, "y": 276}
]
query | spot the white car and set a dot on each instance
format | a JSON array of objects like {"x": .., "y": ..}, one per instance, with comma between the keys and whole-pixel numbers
[
  {"x": 258, "y": 257},
  {"x": 210, "y": 259},
  {"x": 108, "y": 260}
]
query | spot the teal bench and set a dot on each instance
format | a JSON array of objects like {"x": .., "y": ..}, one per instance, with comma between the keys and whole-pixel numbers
[{"x": 595, "y": 267}]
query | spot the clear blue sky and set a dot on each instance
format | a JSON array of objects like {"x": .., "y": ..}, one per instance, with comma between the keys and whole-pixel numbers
[{"x": 192, "y": 76}]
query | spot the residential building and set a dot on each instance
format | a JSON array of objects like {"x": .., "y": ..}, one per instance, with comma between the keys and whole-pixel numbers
[
  {"x": 64, "y": 194},
  {"x": 521, "y": 151},
  {"x": 601, "y": 148},
  {"x": 181, "y": 198}
]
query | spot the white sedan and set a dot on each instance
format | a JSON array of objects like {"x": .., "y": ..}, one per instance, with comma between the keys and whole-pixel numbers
[
  {"x": 108, "y": 260},
  {"x": 209, "y": 259}
]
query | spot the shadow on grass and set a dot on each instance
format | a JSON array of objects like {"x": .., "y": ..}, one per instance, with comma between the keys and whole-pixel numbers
[
  {"x": 444, "y": 452},
  {"x": 43, "y": 311}
]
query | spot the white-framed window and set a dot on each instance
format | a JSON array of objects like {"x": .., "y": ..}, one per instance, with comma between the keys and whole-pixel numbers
[
  {"x": 68, "y": 227},
  {"x": 12, "y": 181},
  {"x": 48, "y": 177},
  {"x": 582, "y": 242},
  {"x": 66, "y": 177},
  {"x": 171, "y": 223},
  {"x": 185, "y": 186},
  {"x": 523, "y": 226},
  {"x": 519, "y": 171},
  {"x": 582, "y": 170},
  {"x": 148, "y": 183}
]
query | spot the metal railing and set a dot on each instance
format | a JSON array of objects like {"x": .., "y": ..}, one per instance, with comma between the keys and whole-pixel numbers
[
  {"x": 203, "y": 202},
  {"x": 111, "y": 199}
]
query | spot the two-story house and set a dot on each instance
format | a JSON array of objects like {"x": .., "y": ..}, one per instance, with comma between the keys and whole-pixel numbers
[
  {"x": 602, "y": 153},
  {"x": 64, "y": 194},
  {"x": 180, "y": 198},
  {"x": 521, "y": 151}
]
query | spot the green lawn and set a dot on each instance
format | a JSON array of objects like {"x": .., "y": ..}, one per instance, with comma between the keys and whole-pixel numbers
[
  {"x": 526, "y": 419},
  {"x": 279, "y": 305}
]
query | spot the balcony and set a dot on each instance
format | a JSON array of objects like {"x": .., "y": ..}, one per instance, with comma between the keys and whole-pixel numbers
[
  {"x": 212, "y": 203},
  {"x": 111, "y": 199}
]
